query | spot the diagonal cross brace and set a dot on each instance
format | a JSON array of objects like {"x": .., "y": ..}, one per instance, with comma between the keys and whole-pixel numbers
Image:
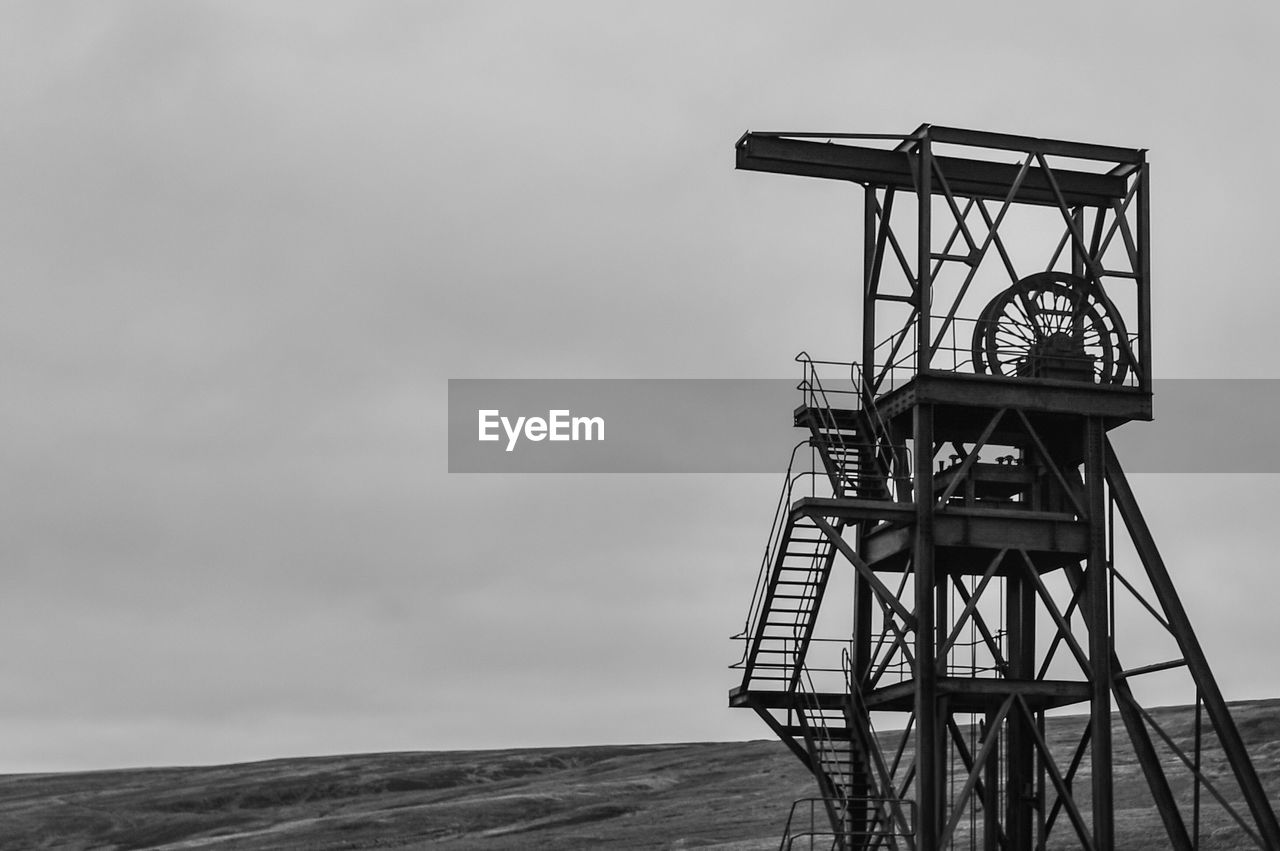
[
  {"x": 1215, "y": 704},
  {"x": 865, "y": 571}
]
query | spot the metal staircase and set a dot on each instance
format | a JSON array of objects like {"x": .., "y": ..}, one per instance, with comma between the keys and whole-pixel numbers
[
  {"x": 783, "y": 625},
  {"x": 845, "y": 759},
  {"x": 839, "y": 761},
  {"x": 850, "y": 454},
  {"x": 851, "y": 440}
]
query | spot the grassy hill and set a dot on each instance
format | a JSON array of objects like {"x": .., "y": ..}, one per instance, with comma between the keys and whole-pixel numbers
[{"x": 733, "y": 795}]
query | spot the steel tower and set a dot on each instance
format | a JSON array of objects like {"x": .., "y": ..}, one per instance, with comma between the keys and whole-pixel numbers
[{"x": 965, "y": 525}]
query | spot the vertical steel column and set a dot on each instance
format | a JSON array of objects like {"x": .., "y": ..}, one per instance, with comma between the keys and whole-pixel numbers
[
  {"x": 1020, "y": 608},
  {"x": 1098, "y": 614},
  {"x": 862, "y": 599},
  {"x": 991, "y": 786},
  {"x": 870, "y": 284},
  {"x": 1041, "y": 820},
  {"x": 924, "y": 257},
  {"x": 860, "y": 661},
  {"x": 1144, "y": 274},
  {"x": 929, "y": 775}
]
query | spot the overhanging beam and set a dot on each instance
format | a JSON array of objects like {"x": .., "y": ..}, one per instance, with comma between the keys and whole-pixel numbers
[
  {"x": 967, "y": 178},
  {"x": 1033, "y": 144}
]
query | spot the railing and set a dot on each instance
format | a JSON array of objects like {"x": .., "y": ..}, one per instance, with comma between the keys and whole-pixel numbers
[
  {"x": 834, "y": 761},
  {"x": 817, "y": 400},
  {"x": 813, "y": 712},
  {"x": 890, "y": 461},
  {"x": 888, "y": 458},
  {"x": 981, "y": 664},
  {"x": 790, "y": 666},
  {"x": 897, "y": 358},
  {"x": 771, "y": 548},
  {"x": 888, "y": 455},
  {"x": 890, "y": 810},
  {"x": 804, "y": 829},
  {"x": 787, "y": 669}
]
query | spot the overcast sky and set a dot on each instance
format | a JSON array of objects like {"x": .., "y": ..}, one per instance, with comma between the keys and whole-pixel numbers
[{"x": 245, "y": 245}]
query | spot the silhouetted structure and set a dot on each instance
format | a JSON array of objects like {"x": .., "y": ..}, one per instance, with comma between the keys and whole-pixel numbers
[{"x": 962, "y": 472}]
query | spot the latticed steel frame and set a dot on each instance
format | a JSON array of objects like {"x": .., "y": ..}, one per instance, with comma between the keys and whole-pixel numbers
[
  {"x": 1011, "y": 775},
  {"x": 1116, "y": 201}
]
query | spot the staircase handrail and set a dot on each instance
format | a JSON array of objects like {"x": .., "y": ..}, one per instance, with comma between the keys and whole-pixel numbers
[
  {"x": 811, "y": 831},
  {"x": 884, "y": 452},
  {"x": 853, "y": 688},
  {"x": 811, "y": 386},
  {"x": 823, "y": 741},
  {"x": 771, "y": 548},
  {"x": 789, "y": 838},
  {"x": 882, "y": 438}
]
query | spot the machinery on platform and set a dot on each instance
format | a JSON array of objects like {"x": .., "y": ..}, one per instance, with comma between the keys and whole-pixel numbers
[{"x": 942, "y": 585}]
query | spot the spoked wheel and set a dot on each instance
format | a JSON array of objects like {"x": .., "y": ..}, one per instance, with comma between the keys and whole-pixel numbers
[{"x": 1051, "y": 325}]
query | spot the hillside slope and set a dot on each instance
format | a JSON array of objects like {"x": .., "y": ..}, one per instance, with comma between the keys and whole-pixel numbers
[{"x": 732, "y": 795}]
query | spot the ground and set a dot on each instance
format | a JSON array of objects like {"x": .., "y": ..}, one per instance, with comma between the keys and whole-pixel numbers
[{"x": 733, "y": 795}]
